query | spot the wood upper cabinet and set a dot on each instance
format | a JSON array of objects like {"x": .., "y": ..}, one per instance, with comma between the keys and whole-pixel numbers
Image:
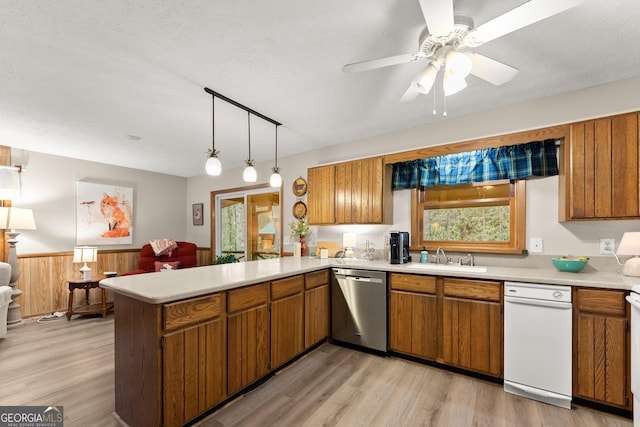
[
  {"x": 358, "y": 193},
  {"x": 316, "y": 307},
  {"x": 321, "y": 195},
  {"x": 287, "y": 319},
  {"x": 599, "y": 170},
  {"x": 472, "y": 325},
  {"x": 194, "y": 358},
  {"x": 413, "y": 308},
  {"x": 601, "y": 366},
  {"x": 248, "y": 336}
]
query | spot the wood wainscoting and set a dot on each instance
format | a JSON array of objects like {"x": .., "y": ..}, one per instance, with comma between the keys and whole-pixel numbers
[{"x": 43, "y": 277}]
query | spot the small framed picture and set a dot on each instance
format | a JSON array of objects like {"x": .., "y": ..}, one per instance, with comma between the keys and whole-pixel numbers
[{"x": 198, "y": 218}]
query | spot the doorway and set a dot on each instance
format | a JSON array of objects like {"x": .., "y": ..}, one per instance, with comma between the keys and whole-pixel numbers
[{"x": 246, "y": 223}]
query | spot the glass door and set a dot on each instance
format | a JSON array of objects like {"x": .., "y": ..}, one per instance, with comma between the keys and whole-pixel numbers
[{"x": 247, "y": 224}]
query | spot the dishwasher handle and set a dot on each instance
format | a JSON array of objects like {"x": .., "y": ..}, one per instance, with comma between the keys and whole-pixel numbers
[
  {"x": 359, "y": 278},
  {"x": 537, "y": 302}
]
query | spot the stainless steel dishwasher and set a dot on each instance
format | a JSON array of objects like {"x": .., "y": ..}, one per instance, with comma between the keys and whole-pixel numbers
[{"x": 359, "y": 308}]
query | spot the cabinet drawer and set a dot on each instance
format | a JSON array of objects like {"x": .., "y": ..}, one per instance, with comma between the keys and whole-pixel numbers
[
  {"x": 413, "y": 283},
  {"x": 315, "y": 279},
  {"x": 473, "y": 289},
  {"x": 193, "y": 310},
  {"x": 601, "y": 301},
  {"x": 285, "y": 287},
  {"x": 247, "y": 297}
]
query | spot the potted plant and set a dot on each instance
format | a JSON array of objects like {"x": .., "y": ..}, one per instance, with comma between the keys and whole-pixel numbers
[{"x": 300, "y": 229}]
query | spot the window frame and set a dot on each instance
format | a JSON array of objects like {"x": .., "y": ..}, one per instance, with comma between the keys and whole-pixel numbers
[{"x": 517, "y": 233}]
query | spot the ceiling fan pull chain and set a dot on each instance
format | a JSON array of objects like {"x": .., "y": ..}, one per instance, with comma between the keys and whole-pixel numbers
[
  {"x": 434, "y": 101},
  {"x": 444, "y": 99}
]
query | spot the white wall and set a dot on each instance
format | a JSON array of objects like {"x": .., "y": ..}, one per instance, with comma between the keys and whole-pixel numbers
[
  {"x": 49, "y": 188},
  {"x": 542, "y": 204}
]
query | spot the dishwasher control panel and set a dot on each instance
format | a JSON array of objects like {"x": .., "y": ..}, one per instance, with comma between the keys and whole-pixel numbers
[{"x": 560, "y": 293}]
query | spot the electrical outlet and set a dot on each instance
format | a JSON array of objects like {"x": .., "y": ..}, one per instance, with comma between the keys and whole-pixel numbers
[
  {"x": 607, "y": 246},
  {"x": 535, "y": 245},
  {"x": 286, "y": 240}
]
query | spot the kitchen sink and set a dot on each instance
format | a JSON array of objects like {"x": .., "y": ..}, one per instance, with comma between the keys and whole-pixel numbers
[{"x": 448, "y": 267}]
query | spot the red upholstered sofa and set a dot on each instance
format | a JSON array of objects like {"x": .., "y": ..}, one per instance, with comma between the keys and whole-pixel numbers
[{"x": 185, "y": 254}]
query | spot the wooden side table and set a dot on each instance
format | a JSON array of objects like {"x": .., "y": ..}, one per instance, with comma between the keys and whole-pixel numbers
[{"x": 87, "y": 308}]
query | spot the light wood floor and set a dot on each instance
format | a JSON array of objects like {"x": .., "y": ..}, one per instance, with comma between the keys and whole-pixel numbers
[{"x": 71, "y": 364}]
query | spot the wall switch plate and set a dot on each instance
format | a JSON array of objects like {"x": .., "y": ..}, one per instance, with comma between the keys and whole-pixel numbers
[
  {"x": 535, "y": 245},
  {"x": 286, "y": 240},
  {"x": 607, "y": 246}
]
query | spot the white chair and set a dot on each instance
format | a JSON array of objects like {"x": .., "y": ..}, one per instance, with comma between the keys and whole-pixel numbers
[{"x": 5, "y": 296}]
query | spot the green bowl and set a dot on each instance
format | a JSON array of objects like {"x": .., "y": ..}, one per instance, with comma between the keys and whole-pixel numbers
[{"x": 573, "y": 265}]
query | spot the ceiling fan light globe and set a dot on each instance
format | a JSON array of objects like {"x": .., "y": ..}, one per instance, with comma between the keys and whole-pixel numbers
[
  {"x": 458, "y": 64},
  {"x": 213, "y": 166},
  {"x": 424, "y": 81},
  {"x": 453, "y": 85}
]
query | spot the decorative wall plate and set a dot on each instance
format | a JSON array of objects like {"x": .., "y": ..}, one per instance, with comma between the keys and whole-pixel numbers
[
  {"x": 300, "y": 187},
  {"x": 299, "y": 210}
]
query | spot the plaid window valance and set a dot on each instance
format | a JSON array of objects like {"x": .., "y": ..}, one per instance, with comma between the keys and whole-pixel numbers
[{"x": 537, "y": 158}]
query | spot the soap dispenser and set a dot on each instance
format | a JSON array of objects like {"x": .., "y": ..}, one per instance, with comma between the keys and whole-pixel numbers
[{"x": 424, "y": 255}]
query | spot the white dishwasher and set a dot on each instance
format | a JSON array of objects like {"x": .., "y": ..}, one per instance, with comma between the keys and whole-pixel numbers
[
  {"x": 538, "y": 342},
  {"x": 634, "y": 300}
]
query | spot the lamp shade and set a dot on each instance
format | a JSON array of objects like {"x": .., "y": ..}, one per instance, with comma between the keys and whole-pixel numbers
[
  {"x": 213, "y": 166},
  {"x": 85, "y": 254},
  {"x": 249, "y": 174},
  {"x": 630, "y": 244},
  {"x": 17, "y": 218},
  {"x": 349, "y": 240}
]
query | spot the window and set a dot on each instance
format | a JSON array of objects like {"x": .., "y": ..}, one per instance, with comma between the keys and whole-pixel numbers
[{"x": 479, "y": 217}]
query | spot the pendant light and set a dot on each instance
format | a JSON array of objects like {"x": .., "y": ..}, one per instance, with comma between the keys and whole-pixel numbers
[
  {"x": 249, "y": 174},
  {"x": 276, "y": 180},
  {"x": 213, "y": 166}
]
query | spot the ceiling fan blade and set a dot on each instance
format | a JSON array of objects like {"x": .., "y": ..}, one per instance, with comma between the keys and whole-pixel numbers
[
  {"x": 526, "y": 14},
  {"x": 382, "y": 62},
  {"x": 493, "y": 71},
  {"x": 410, "y": 94},
  {"x": 438, "y": 14}
]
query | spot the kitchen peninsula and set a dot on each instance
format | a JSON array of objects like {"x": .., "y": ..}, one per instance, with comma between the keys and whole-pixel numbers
[{"x": 187, "y": 340}]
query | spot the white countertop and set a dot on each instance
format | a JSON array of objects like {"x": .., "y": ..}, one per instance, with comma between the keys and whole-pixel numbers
[{"x": 162, "y": 287}]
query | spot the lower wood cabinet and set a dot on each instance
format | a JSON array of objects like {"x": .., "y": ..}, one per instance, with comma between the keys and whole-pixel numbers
[
  {"x": 457, "y": 322},
  {"x": 413, "y": 308},
  {"x": 248, "y": 336},
  {"x": 287, "y": 319},
  {"x": 194, "y": 371},
  {"x": 316, "y": 307},
  {"x": 601, "y": 366},
  {"x": 472, "y": 325}
]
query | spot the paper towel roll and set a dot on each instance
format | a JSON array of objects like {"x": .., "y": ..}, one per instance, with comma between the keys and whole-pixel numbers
[{"x": 297, "y": 249}]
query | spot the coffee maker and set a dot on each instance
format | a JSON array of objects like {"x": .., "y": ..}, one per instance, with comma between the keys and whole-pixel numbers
[{"x": 399, "y": 247}]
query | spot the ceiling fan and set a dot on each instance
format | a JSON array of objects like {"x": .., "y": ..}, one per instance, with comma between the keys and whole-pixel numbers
[{"x": 445, "y": 39}]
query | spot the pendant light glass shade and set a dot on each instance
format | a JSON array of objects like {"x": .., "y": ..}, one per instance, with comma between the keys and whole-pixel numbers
[
  {"x": 213, "y": 166},
  {"x": 424, "y": 80},
  {"x": 249, "y": 174},
  {"x": 276, "y": 180}
]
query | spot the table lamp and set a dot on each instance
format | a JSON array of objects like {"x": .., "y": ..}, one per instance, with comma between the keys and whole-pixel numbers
[
  {"x": 630, "y": 245},
  {"x": 348, "y": 241},
  {"x": 85, "y": 254}
]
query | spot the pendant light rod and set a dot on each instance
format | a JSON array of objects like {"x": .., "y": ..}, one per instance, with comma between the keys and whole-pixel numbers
[{"x": 237, "y": 104}]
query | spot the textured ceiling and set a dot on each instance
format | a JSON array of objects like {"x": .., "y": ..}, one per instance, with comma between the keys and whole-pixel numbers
[{"x": 76, "y": 77}]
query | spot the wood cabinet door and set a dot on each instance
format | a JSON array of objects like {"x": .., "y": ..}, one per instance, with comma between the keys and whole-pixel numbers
[
  {"x": 194, "y": 371},
  {"x": 316, "y": 315},
  {"x": 359, "y": 192},
  {"x": 247, "y": 347},
  {"x": 601, "y": 359},
  {"x": 287, "y": 329},
  {"x": 472, "y": 335},
  {"x": 413, "y": 324},
  {"x": 601, "y": 169},
  {"x": 320, "y": 195}
]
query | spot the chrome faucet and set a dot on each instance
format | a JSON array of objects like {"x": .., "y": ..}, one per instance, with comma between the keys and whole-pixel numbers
[{"x": 447, "y": 260}]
